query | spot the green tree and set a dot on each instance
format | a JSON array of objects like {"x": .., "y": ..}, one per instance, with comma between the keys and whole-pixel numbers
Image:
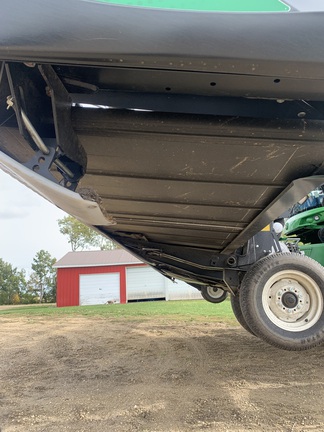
[
  {"x": 29, "y": 295},
  {"x": 12, "y": 283},
  {"x": 82, "y": 237},
  {"x": 43, "y": 280}
]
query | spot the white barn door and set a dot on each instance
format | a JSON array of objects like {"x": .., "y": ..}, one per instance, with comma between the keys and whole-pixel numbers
[
  {"x": 144, "y": 283},
  {"x": 180, "y": 290},
  {"x": 98, "y": 289}
]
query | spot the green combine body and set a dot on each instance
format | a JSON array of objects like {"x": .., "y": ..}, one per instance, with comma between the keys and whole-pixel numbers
[
  {"x": 309, "y": 227},
  {"x": 306, "y": 225},
  {"x": 206, "y": 5},
  {"x": 315, "y": 251}
]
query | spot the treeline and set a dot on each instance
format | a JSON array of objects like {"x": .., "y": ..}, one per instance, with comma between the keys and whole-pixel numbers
[
  {"x": 81, "y": 237},
  {"x": 39, "y": 287}
]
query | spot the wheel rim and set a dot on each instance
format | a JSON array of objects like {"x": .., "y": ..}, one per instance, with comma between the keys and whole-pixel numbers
[
  {"x": 215, "y": 292},
  {"x": 292, "y": 300}
]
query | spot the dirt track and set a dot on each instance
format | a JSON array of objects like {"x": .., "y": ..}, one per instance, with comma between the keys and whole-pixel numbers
[{"x": 90, "y": 374}]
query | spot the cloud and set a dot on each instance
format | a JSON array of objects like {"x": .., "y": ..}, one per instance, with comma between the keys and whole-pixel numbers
[
  {"x": 14, "y": 196},
  {"x": 13, "y": 213}
]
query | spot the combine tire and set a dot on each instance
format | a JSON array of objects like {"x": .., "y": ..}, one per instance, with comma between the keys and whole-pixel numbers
[
  {"x": 236, "y": 307},
  {"x": 281, "y": 299}
]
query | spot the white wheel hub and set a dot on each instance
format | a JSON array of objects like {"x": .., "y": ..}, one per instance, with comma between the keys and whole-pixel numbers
[
  {"x": 292, "y": 300},
  {"x": 215, "y": 292}
]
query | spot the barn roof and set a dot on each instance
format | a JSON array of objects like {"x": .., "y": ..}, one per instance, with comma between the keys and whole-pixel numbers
[{"x": 97, "y": 259}]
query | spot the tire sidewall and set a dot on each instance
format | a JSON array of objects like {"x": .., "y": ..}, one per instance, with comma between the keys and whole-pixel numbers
[{"x": 236, "y": 308}]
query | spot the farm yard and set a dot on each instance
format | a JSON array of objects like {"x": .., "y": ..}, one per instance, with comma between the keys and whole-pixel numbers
[{"x": 162, "y": 367}]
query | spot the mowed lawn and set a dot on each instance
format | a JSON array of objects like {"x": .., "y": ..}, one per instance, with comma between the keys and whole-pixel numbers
[{"x": 188, "y": 310}]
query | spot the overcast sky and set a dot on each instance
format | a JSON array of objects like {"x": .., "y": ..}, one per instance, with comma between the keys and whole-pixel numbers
[
  {"x": 308, "y": 5},
  {"x": 28, "y": 223}
]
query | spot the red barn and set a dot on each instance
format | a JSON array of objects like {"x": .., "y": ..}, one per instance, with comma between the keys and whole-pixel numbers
[
  {"x": 93, "y": 277},
  {"x": 99, "y": 277}
]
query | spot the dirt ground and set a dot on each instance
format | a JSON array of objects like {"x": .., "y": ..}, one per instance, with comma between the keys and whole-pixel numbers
[{"x": 90, "y": 374}]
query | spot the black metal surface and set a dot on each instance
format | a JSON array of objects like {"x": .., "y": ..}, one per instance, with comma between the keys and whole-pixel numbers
[
  {"x": 152, "y": 83},
  {"x": 204, "y": 105},
  {"x": 16, "y": 92},
  {"x": 41, "y": 163},
  {"x": 196, "y": 180},
  {"x": 65, "y": 136},
  {"x": 79, "y": 32},
  {"x": 6, "y": 117}
]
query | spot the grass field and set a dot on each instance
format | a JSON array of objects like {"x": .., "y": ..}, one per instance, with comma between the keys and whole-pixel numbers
[{"x": 181, "y": 310}]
